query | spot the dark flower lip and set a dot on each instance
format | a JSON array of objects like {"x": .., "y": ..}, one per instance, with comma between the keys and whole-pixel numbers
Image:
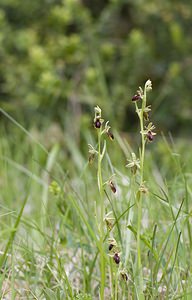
[
  {"x": 97, "y": 123},
  {"x": 136, "y": 97},
  {"x": 150, "y": 136},
  {"x": 111, "y": 247},
  {"x": 116, "y": 258},
  {"x": 112, "y": 186}
]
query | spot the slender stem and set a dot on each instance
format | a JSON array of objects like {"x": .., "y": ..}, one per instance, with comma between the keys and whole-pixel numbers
[
  {"x": 111, "y": 279},
  {"x": 140, "y": 195},
  {"x": 116, "y": 285},
  {"x": 142, "y": 134},
  {"x": 100, "y": 184},
  {"x": 101, "y": 221},
  {"x": 142, "y": 149}
]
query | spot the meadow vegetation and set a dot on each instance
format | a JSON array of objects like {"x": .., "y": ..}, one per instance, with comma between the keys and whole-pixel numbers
[
  {"x": 87, "y": 227},
  {"x": 95, "y": 199}
]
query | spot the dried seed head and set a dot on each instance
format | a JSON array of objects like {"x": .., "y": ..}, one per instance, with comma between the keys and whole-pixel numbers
[{"x": 116, "y": 258}]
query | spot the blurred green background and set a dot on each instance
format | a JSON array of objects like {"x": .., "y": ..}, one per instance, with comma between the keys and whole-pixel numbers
[{"x": 60, "y": 58}]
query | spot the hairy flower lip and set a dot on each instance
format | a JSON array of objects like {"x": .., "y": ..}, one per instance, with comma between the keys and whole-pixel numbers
[
  {"x": 148, "y": 132},
  {"x": 150, "y": 136},
  {"x": 136, "y": 97},
  {"x": 97, "y": 123},
  {"x": 116, "y": 258}
]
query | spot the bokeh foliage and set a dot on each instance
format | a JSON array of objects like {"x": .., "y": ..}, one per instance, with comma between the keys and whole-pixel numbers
[{"x": 58, "y": 58}]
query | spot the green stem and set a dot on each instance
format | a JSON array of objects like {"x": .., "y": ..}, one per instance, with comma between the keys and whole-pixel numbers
[
  {"x": 116, "y": 285},
  {"x": 142, "y": 149},
  {"x": 111, "y": 280},
  {"x": 140, "y": 195},
  {"x": 101, "y": 221}
]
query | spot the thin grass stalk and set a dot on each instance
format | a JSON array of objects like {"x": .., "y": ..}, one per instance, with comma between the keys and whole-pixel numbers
[{"x": 3, "y": 259}]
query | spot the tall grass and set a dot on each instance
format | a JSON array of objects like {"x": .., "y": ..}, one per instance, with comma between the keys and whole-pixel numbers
[{"x": 73, "y": 230}]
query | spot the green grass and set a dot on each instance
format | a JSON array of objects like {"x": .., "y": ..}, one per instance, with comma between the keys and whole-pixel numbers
[{"x": 51, "y": 245}]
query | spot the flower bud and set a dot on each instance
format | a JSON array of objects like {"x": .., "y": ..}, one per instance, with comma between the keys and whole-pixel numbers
[{"x": 148, "y": 85}]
